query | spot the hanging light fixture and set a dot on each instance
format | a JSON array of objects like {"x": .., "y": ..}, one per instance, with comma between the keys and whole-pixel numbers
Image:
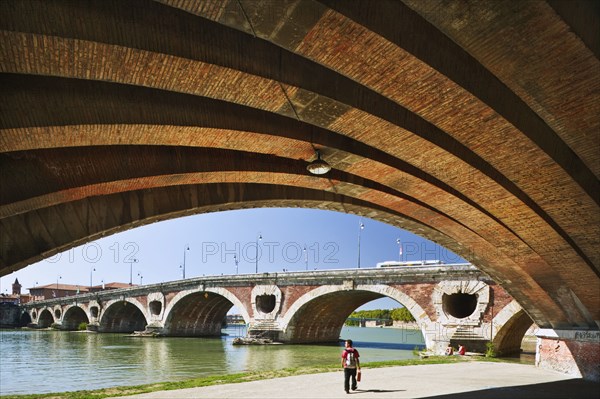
[{"x": 318, "y": 166}]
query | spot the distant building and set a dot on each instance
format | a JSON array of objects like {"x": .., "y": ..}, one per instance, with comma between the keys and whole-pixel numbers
[
  {"x": 110, "y": 286},
  {"x": 50, "y": 291},
  {"x": 234, "y": 319},
  {"x": 16, "y": 297}
]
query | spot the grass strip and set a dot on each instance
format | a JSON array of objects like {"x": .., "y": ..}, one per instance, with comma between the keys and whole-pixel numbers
[{"x": 237, "y": 378}]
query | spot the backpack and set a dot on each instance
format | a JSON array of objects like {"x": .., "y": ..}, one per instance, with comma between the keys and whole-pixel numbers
[{"x": 350, "y": 359}]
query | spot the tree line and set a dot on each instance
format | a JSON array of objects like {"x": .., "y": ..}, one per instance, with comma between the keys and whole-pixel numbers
[{"x": 398, "y": 314}]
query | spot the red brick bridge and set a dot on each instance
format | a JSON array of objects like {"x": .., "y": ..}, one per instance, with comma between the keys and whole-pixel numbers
[{"x": 451, "y": 303}]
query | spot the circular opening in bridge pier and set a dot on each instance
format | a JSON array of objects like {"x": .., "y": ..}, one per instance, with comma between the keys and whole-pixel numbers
[
  {"x": 459, "y": 305},
  {"x": 265, "y": 303},
  {"x": 34, "y": 315},
  {"x": 155, "y": 307},
  {"x": 94, "y": 311}
]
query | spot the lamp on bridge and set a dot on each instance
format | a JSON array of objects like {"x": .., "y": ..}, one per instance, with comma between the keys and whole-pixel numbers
[
  {"x": 361, "y": 226},
  {"x": 399, "y": 249},
  {"x": 258, "y": 238},
  {"x": 318, "y": 166},
  {"x": 141, "y": 277},
  {"x": 235, "y": 259},
  {"x": 186, "y": 248},
  {"x": 305, "y": 257},
  {"x": 55, "y": 294},
  {"x": 131, "y": 270},
  {"x": 92, "y": 270}
]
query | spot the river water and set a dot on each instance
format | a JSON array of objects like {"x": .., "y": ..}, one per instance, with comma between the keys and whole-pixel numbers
[{"x": 43, "y": 361}]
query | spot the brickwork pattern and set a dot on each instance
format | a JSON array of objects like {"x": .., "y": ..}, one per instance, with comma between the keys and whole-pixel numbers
[{"x": 475, "y": 125}]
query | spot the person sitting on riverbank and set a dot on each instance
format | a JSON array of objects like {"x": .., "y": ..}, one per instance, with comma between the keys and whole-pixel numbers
[
  {"x": 449, "y": 350},
  {"x": 461, "y": 350}
]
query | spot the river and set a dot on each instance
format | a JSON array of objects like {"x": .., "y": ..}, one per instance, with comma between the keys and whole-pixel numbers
[{"x": 43, "y": 361}]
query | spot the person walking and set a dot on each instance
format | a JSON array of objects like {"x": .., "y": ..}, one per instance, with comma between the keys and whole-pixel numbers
[{"x": 351, "y": 365}]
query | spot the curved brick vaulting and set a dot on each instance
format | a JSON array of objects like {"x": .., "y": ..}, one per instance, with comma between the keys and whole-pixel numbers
[{"x": 474, "y": 124}]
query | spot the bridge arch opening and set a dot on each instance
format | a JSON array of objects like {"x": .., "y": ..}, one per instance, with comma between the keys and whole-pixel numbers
[
  {"x": 73, "y": 318},
  {"x": 459, "y": 305},
  {"x": 25, "y": 319},
  {"x": 322, "y": 319},
  {"x": 265, "y": 303},
  {"x": 155, "y": 307},
  {"x": 509, "y": 338},
  {"x": 122, "y": 317},
  {"x": 45, "y": 319},
  {"x": 197, "y": 314}
]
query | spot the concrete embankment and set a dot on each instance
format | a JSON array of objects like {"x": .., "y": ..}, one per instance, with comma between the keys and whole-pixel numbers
[{"x": 469, "y": 380}]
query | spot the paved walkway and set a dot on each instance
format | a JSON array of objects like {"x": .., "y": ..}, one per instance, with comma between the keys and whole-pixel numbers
[{"x": 472, "y": 380}]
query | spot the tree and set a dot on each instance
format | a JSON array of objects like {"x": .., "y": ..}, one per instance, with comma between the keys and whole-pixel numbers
[{"x": 402, "y": 314}]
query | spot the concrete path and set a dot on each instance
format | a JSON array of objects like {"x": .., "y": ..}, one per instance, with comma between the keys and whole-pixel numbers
[{"x": 472, "y": 380}]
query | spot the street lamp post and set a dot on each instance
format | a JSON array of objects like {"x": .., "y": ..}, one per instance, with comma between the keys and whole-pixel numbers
[
  {"x": 92, "y": 270},
  {"x": 399, "y": 249},
  {"x": 361, "y": 226},
  {"x": 235, "y": 259},
  {"x": 305, "y": 258},
  {"x": 56, "y": 293},
  {"x": 131, "y": 271},
  {"x": 186, "y": 248},
  {"x": 258, "y": 238},
  {"x": 141, "y": 277}
]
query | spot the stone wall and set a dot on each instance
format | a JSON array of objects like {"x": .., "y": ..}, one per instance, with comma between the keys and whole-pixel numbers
[
  {"x": 576, "y": 353},
  {"x": 9, "y": 315}
]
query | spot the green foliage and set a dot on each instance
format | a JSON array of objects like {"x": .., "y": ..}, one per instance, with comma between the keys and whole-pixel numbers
[
  {"x": 372, "y": 314},
  {"x": 402, "y": 314},
  {"x": 82, "y": 326},
  {"x": 490, "y": 350}
]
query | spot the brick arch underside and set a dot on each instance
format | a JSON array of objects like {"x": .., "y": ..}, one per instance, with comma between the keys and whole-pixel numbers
[
  {"x": 45, "y": 319},
  {"x": 200, "y": 314},
  {"x": 322, "y": 319},
  {"x": 399, "y": 115},
  {"x": 508, "y": 339},
  {"x": 73, "y": 317},
  {"x": 122, "y": 317}
]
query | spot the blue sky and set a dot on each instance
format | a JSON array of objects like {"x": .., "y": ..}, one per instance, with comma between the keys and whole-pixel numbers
[{"x": 155, "y": 253}]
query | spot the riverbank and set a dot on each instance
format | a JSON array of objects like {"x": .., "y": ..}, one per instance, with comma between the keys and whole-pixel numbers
[
  {"x": 415, "y": 370},
  {"x": 228, "y": 379},
  {"x": 465, "y": 380}
]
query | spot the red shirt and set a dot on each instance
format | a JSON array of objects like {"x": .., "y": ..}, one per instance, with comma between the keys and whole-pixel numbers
[{"x": 345, "y": 355}]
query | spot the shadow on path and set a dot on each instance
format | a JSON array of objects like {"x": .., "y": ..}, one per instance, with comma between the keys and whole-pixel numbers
[
  {"x": 568, "y": 389},
  {"x": 377, "y": 390}
]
